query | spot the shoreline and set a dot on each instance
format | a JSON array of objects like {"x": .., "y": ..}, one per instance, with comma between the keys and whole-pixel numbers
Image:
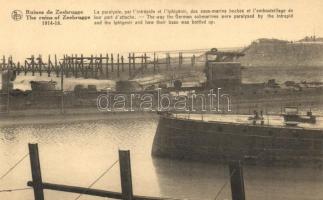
[{"x": 51, "y": 116}]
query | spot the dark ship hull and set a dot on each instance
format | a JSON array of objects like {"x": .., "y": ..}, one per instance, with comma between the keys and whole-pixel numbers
[{"x": 200, "y": 140}]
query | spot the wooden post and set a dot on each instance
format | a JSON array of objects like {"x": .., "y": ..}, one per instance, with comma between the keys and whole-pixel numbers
[
  {"x": 101, "y": 65},
  {"x": 145, "y": 60},
  {"x": 18, "y": 68},
  {"x": 180, "y": 59},
  {"x": 112, "y": 69},
  {"x": 26, "y": 65},
  {"x": 40, "y": 63},
  {"x": 193, "y": 60},
  {"x": 107, "y": 66},
  {"x": 142, "y": 64},
  {"x": 118, "y": 65},
  {"x": 154, "y": 62},
  {"x": 35, "y": 172},
  {"x": 85, "y": 68},
  {"x": 32, "y": 65},
  {"x": 92, "y": 66},
  {"x": 49, "y": 64},
  {"x": 122, "y": 64},
  {"x": 167, "y": 61},
  {"x": 129, "y": 58},
  {"x": 77, "y": 65},
  {"x": 73, "y": 59},
  {"x": 125, "y": 174},
  {"x": 12, "y": 64},
  {"x": 69, "y": 65},
  {"x": 3, "y": 63},
  {"x": 82, "y": 66},
  {"x": 72, "y": 64},
  {"x": 62, "y": 84},
  {"x": 236, "y": 180},
  {"x": 8, "y": 88},
  {"x": 65, "y": 65},
  {"x": 134, "y": 62},
  {"x": 96, "y": 65},
  {"x": 56, "y": 67}
]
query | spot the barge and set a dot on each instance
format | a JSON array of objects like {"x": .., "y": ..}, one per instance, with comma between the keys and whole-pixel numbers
[{"x": 266, "y": 139}]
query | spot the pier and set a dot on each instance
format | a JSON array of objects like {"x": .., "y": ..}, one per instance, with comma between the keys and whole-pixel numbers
[
  {"x": 103, "y": 66},
  {"x": 38, "y": 185}
]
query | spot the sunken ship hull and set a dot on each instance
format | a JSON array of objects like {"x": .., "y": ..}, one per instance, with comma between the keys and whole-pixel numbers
[{"x": 199, "y": 140}]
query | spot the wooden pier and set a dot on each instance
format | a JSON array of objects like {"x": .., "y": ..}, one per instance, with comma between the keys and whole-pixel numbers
[
  {"x": 125, "y": 174},
  {"x": 235, "y": 168},
  {"x": 103, "y": 66}
]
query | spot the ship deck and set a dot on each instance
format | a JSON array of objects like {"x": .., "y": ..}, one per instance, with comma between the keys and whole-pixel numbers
[{"x": 269, "y": 120}]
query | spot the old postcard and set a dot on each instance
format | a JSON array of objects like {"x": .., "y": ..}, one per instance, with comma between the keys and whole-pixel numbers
[{"x": 213, "y": 99}]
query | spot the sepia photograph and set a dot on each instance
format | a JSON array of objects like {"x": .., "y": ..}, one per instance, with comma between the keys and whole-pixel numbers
[{"x": 152, "y": 100}]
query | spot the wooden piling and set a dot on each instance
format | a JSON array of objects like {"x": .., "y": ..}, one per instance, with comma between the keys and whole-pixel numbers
[
  {"x": 107, "y": 66},
  {"x": 193, "y": 61},
  {"x": 10, "y": 63},
  {"x": 118, "y": 65},
  {"x": 112, "y": 62},
  {"x": 40, "y": 65},
  {"x": 1, "y": 65},
  {"x": 145, "y": 60},
  {"x": 125, "y": 174},
  {"x": 3, "y": 62},
  {"x": 72, "y": 64},
  {"x": 56, "y": 66},
  {"x": 180, "y": 59},
  {"x": 8, "y": 88},
  {"x": 18, "y": 68},
  {"x": 129, "y": 62},
  {"x": 76, "y": 65},
  {"x": 122, "y": 64},
  {"x": 92, "y": 66},
  {"x": 32, "y": 65},
  {"x": 236, "y": 180},
  {"x": 167, "y": 61},
  {"x": 85, "y": 68},
  {"x": 62, "y": 84},
  {"x": 134, "y": 62},
  {"x": 142, "y": 65},
  {"x": 36, "y": 172},
  {"x": 154, "y": 62},
  {"x": 96, "y": 66},
  {"x": 49, "y": 65},
  {"x": 100, "y": 67}
]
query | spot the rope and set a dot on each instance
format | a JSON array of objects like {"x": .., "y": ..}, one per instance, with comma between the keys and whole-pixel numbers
[
  {"x": 14, "y": 166},
  {"x": 223, "y": 186},
  {"x": 96, "y": 180},
  {"x": 14, "y": 190}
]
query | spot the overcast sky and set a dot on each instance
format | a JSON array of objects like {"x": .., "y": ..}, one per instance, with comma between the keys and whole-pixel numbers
[{"x": 21, "y": 38}]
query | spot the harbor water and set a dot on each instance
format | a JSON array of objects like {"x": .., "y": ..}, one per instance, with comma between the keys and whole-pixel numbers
[{"x": 78, "y": 152}]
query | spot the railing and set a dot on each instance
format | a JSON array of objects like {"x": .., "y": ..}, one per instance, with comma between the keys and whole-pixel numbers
[
  {"x": 125, "y": 174},
  {"x": 38, "y": 186}
]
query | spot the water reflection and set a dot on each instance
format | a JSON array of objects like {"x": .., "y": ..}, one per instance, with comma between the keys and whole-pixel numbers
[
  {"x": 76, "y": 153},
  {"x": 196, "y": 180}
]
